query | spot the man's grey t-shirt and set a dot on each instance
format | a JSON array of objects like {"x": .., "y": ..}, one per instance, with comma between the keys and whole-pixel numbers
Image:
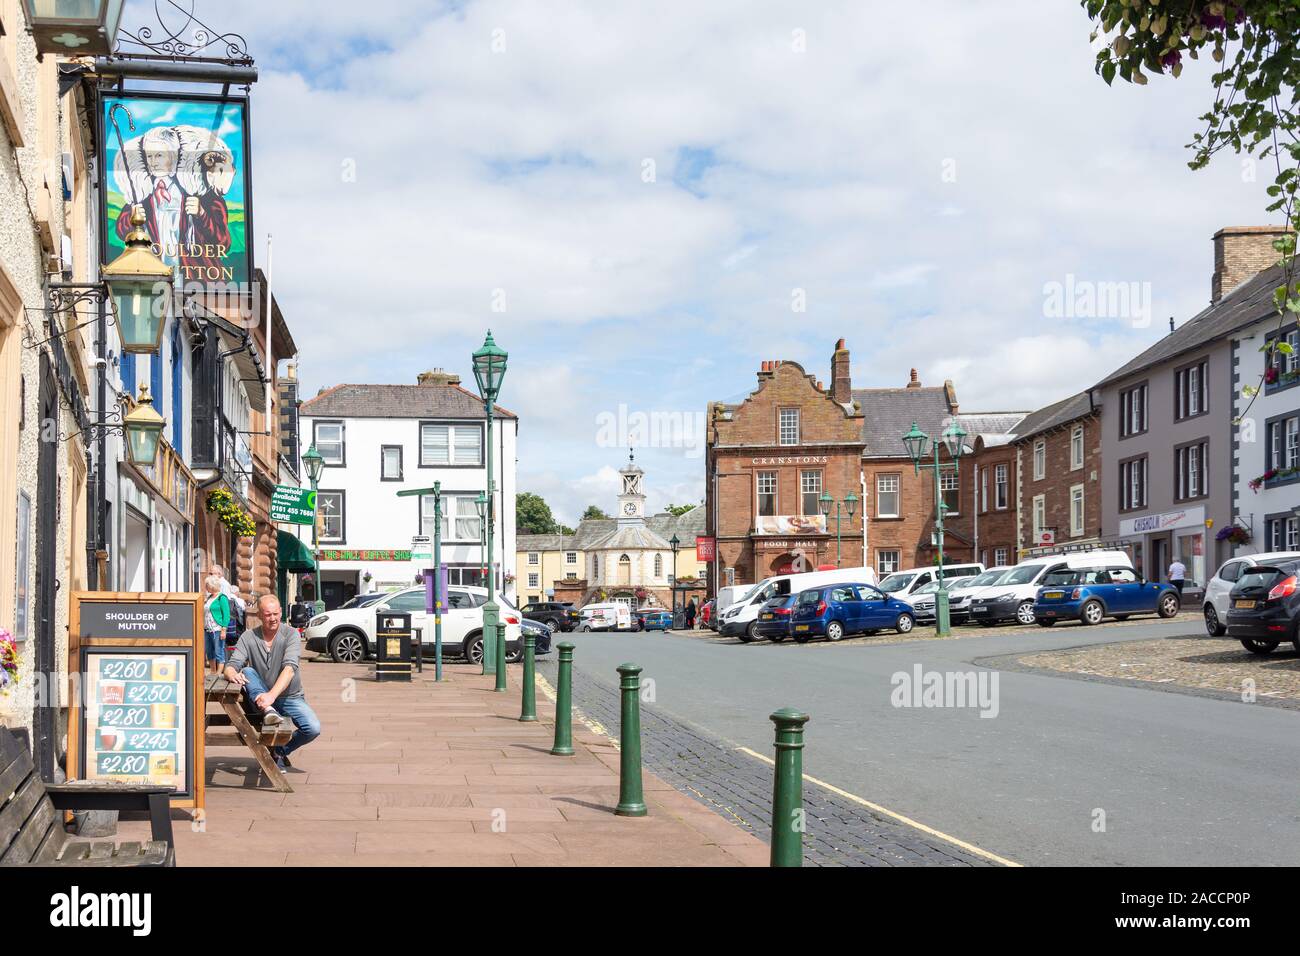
[{"x": 285, "y": 649}]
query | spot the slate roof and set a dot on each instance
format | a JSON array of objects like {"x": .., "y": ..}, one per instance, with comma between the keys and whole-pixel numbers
[
  {"x": 543, "y": 542},
  {"x": 597, "y": 533},
  {"x": 989, "y": 424},
  {"x": 629, "y": 538},
  {"x": 1045, "y": 419},
  {"x": 1244, "y": 305},
  {"x": 888, "y": 413},
  {"x": 398, "y": 401}
]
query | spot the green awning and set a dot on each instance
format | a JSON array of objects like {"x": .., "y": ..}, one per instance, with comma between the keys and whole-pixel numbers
[{"x": 292, "y": 554}]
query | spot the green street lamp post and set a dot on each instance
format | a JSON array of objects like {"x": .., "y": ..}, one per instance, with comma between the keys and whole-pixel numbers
[
  {"x": 849, "y": 504},
  {"x": 489, "y": 370},
  {"x": 487, "y": 645},
  {"x": 315, "y": 464},
  {"x": 915, "y": 441},
  {"x": 676, "y": 544}
]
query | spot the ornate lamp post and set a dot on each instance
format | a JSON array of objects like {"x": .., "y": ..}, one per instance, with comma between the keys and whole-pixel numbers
[
  {"x": 315, "y": 464},
  {"x": 849, "y": 504},
  {"x": 676, "y": 544},
  {"x": 915, "y": 442},
  {"x": 489, "y": 370}
]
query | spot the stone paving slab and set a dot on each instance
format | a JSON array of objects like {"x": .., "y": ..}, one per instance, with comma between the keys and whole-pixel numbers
[{"x": 428, "y": 774}]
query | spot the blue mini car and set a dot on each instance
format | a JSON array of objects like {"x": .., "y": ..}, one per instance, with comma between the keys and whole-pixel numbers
[
  {"x": 839, "y": 609},
  {"x": 652, "y": 620},
  {"x": 1096, "y": 593}
]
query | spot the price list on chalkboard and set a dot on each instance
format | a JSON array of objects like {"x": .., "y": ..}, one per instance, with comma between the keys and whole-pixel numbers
[{"x": 136, "y": 712}]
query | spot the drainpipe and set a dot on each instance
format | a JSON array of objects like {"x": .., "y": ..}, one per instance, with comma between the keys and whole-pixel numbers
[{"x": 862, "y": 488}]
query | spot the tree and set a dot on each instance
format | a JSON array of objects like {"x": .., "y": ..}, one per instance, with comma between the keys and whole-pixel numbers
[
  {"x": 679, "y": 510},
  {"x": 533, "y": 515},
  {"x": 593, "y": 513},
  {"x": 1255, "y": 103}
]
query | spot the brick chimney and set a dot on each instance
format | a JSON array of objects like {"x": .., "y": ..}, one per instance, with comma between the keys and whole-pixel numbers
[
  {"x": 1240, "y": 252},
  {"x": 841, "y": 380},
  {"x": 950, "y": 393},
  {"x": 915, "y": 382},
  {"x": 437, "y": 377}
]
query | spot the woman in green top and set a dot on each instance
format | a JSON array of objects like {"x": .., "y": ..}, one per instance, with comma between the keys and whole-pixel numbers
[{"x": 216, "y": 617}]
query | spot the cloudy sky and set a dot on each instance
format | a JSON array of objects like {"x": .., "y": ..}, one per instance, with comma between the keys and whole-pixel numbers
[{"x": 643, "y": 201}]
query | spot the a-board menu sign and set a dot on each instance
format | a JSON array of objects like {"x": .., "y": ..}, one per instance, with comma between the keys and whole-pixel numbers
[{"x": 139, "y": 714}]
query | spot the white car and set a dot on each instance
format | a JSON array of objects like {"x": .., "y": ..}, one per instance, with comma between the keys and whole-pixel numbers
[
  {"x": 348, "y": 635},
  {"x": 1012, "y": 598},
  {"x": 960, "y": 592},
  {"x": 1217, "y": 588},
  {"x": 902, "y": 584},
  {"x": 614, "y": 616}
]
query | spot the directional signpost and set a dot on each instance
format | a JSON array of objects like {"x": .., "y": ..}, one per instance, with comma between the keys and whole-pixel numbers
[{"x": 427, "y": 555}]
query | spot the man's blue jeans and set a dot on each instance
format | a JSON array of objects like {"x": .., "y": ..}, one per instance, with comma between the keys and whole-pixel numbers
[{"x": 295, "y": 708}]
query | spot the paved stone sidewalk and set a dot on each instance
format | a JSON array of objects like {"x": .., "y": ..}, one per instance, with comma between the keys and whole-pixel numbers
[
  {"x": 738, "y": 787},
  {"x": 428, "y": 775}
]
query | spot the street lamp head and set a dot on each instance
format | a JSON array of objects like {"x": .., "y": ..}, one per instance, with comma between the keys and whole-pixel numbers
[
  {"x": 139, "y": 289},
  {"x": 953, "y": 437},
  {"x": 824, "y": 503},
  {"x": 851, "y": 503},
  {"x": 481, "y": 504},
  {"x": 915, "y": 442},
  {"x": 489, "y": 368},
  {"x": 675, "y": 542},
  {"x": 314, "y": 463},
  {"x": 74, "y": 27},
  {"x": 144, "y": 428}
]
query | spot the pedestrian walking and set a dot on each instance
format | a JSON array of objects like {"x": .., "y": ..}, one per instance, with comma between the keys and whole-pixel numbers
[
  {"x": 1178, "y": 575},
  {"x": 216, "y": 618},
  {"x": 265, "y": 663},
  {"x": 690, "y": 614}
]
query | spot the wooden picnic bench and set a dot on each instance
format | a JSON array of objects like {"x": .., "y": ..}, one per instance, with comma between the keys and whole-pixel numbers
[
  {"x": 31, "y": 817},
  {"x": 247, "y": 726}
]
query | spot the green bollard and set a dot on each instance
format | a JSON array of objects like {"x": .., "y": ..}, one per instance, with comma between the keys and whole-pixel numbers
[
  {"x": 787, "y": 791},
  {"x": 564, "y": 703},
  {"x": 630, "y": 801},
  {"x": 501, "y": 659},
  {"x": 529, "y": 709}
]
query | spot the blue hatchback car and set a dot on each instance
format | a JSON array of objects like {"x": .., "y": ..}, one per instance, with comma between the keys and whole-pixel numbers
[
  {"x": 652, "y": 621},
  {"x": 836, "y": 610},
  {"x": 1096, "y": 593}
]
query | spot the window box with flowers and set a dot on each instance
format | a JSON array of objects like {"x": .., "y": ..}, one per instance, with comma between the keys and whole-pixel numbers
[
  {"x": 1274, "y": 476},
  {"x": 222, "y": 503},
  {"x": 8, "y": 662}
]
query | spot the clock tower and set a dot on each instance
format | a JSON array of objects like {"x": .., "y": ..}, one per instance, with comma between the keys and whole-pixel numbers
[{"x": 631, "y": 503}]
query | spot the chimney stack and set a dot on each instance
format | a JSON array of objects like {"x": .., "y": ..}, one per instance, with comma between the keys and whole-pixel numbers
[
  {"x": 915, "y": 382},
  {"x": 437, "y": 377},
  {"x": 950, "y": 393},
  {"x": 1240, "y": 253},
  {"x": 841, "y": 380}
]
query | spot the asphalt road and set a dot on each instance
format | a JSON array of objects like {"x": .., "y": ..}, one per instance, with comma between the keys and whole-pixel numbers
[{"x": 1182, "y": 780}]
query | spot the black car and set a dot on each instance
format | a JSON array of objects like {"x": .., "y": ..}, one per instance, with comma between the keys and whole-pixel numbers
[
  {"x": 1263, "y": 607},
  {"x": 557, "y": 615},
  {"x": 540, "y": 631},
  {"x": 773, "y": 621}
]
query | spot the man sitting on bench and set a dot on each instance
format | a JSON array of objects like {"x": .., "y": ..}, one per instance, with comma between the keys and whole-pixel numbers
[{"x": 265, "y": 664}]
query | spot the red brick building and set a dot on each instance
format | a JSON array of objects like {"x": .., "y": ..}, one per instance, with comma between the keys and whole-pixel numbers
[
  {"x": 771, "y": 457},
  {"x": 1058, "y": 453}
]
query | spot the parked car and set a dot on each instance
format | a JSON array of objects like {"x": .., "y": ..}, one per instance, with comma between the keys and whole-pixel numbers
[
  {"x": 837, "y": 610},
  {"x": 741, "y": 618},
  {"x": 959, "y": 595},
  {"x": 362, "y": 600},
  {"x": 1090, "y": 595},
  {"x": 1013, "y": 597},
  {"x": 775, "y": 618},
  {"x": 900, "y": 584},
  {"x": 652, "y": 619},
  {"x": 348, "y": 636},
  {"x": 1264, "y": 607},
  {"x": 542, "y": 633},
  {"x": 1215, "y": 603},
  {"x": 614, "y": 616},
  {"x": 732, "y": 594},
  {"x": 558, "y": 615}
]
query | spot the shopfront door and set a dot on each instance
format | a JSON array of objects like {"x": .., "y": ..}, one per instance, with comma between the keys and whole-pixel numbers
[{"x": 1159, "y": 569}]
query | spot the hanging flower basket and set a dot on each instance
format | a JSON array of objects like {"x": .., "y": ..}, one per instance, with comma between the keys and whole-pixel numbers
[
  {"x": 222, "y": 503},
  {"x": 8, "y": 661},
  {"x": 1234, "y": 533}
]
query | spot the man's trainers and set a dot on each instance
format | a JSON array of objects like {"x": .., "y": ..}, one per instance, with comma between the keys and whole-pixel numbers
[{"x": 270, "y": 718}]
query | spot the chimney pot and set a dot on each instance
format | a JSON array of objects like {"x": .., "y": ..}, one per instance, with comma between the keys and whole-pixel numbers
[
  {"x": 437, "y": 377},
  {"x": 914, "y": 382}
]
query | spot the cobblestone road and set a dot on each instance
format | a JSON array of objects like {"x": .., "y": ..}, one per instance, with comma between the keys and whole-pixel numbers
[{"x": 739, "y": 787}]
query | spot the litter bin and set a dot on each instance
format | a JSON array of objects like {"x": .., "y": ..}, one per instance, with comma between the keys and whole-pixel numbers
[{"x": 392, "y": 646}]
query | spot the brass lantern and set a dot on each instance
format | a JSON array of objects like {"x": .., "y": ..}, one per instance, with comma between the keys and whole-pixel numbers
[
  {"x": 144, "y": 428},
  {"x": 140, "y": 288}
]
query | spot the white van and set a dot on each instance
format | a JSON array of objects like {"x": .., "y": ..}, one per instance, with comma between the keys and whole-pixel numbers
[
  {"x": 740, "y": 619},
  {"x": 730, "y": 595},
  {"x": 614, "y": 616},
  {"x": 1012, "y": 598},
  {"x": 901, "y": 584}
]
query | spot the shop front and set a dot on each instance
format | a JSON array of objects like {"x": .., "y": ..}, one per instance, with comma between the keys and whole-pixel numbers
[
  {"x": 1154, "y": 541},
  {"x": 155, "y": 526}
]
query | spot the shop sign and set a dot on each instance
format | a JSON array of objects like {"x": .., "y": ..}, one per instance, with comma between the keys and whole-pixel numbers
[
  {"x": 790, "y": 524},
  {"x": 1169, "y": 520},
  {"x": 293, "y": 505},
  {"x": 364, "y": 555},
  {"x": 706, "y": 549}
]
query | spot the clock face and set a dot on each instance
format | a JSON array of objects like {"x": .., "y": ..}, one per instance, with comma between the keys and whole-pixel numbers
[{"x": 629, "y": 508}]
